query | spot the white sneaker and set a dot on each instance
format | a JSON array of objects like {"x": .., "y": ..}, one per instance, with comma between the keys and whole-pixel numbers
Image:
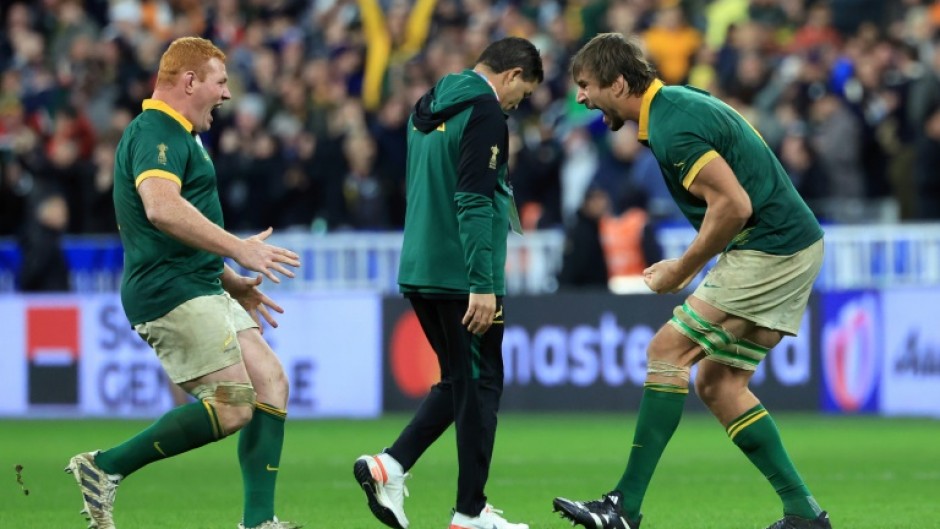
[
  {"x": 489, "y": 518},
  {"x": 273, "y": 524},
  {"x": 383, "y": 480},
  {"x": 98, "y": 489}
]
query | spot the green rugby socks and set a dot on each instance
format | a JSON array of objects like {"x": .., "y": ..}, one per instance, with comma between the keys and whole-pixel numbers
[
  {"x": 756, "y": 434},
  {"x": 660, "y": 412},
  {"x": 179, "y": 430},
  {"x": 259, "y": 453}
]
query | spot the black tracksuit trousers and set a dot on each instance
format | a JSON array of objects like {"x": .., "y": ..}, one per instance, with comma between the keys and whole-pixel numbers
[{"x": 468, "y": 395}]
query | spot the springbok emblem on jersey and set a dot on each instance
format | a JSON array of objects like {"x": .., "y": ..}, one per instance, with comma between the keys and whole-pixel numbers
[
  {"x": 161, "y": 154},
  {"x": 495, "y": 150}
]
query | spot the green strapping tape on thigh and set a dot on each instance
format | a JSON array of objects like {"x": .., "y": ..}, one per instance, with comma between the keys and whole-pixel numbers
[
  {"x": 741, "y": 354},
  {"x": 747, "y": 349},
  {"x": 710, "y": 336},
  {"x": 234, "y": 393}
]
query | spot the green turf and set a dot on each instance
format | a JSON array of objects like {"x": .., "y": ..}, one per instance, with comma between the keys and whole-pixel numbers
[{"x": 868, "y": 472}]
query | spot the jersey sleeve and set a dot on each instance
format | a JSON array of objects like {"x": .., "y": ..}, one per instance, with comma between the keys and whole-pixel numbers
[
  {"x": 158, "y": 155},
  {"x": 689, "y": 153},
  {"x": 482, "y": 147}
]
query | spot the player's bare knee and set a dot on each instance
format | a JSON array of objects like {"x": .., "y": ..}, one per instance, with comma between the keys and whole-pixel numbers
[
  {"x": 281, "y": 384},
  {"x": 274, "y": 389},
  {"x": 708, "y": 391},
  {"x": 233, "y": 418},
  {"x": 233, "y": 403},
  {"x": 715, "y": 387}
]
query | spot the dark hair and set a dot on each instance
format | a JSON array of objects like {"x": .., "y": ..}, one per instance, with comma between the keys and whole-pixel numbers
[
  {"x": 609, "y": 55},
  {"x": 514, "y": 52}
]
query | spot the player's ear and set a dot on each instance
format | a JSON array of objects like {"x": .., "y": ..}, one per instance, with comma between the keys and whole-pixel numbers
[
  {"x": 620, "y": 86},
  {"x": 514, "y": 74},
  {"x": 189, "y": 81}
]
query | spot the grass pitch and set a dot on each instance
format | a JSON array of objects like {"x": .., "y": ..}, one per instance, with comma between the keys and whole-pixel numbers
[{"x": 868, "y": 472}]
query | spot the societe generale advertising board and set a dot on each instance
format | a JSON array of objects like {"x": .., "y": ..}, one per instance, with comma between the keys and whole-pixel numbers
[{"x": 76, "y": 355}]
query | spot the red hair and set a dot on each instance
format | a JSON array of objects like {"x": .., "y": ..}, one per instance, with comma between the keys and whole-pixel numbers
[{"x": 187, "y": 54}]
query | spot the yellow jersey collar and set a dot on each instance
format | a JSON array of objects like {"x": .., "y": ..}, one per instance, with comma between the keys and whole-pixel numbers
[
  {"x": 643, "y": 132},
  {"x": 162, "y": 106}
]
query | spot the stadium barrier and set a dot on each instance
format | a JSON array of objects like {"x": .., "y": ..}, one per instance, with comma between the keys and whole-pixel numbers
[
  {"x": 872, "y": 256},
  {"x": 860, "y": 256}
]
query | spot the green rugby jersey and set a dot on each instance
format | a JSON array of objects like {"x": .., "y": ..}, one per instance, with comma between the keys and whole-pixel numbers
[
  {"x": 160, "y": 272},
  {"x": 458, "y": 196},
  {"x": 686, "y": 128}
]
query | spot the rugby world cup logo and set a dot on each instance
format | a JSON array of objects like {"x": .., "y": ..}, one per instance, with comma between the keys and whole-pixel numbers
[{"x": 851, "y": 356}]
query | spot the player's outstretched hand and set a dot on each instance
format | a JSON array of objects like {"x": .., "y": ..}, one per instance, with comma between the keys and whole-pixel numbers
[
  {"x": 246, "y": 292},
  {"x": 259, "y": 256}
]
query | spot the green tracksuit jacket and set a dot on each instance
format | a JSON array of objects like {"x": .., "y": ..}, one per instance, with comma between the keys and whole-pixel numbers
[{"x": 458, "y": 196}]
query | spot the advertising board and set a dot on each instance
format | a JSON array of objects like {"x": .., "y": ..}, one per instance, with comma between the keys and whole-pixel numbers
[
  {"x": 581, "y": 351},
  {"x": 850, "y": 349},
  {"x": 910, "y": 367},
  {"x": 78, "y": 356}
]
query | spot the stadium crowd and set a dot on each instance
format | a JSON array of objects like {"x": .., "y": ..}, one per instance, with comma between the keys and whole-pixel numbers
[{"x": 847, "y": 92}]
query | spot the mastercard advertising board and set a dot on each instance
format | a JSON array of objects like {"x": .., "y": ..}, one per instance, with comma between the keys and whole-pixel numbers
[{"x": 581, "y": 352}]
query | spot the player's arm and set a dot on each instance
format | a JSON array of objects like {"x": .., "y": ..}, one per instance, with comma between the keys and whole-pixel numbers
[
  {"x": 170, "y": 213},
  {"x": 728, "y": 210},
  {"x": 477, "y": 178}
]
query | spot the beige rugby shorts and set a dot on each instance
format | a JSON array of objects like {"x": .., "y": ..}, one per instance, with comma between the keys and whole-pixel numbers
[
  {"x": 198, "y": 337},
  {"x": 769, "y": 290}
]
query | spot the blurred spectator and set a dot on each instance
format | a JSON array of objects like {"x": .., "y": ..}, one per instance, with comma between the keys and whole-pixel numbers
[
  {"x": 671, "y": 43},
  {"x": 925, "y": 171},
  {"x": 99, "y": 210},
  {"x": 627, "y": 167},
  {"x": 61, "y": 167},
  {"x": 297, "y": 205},
  {"x": 44, "y": 267},
  {"x": 817, "y": 32},
  {"x": 577, "y": 171},
  {"x": 722, "y": 16},
  {"x": 835, "y": 137},
  {"x": 583, "y": 262},
  {"x": 264, "y": 176},
  {"x": 616, "y": 162},
  {"x": 14, "y": 186},
  {"x": 801, "y": 162},
  {"x": 393, "y": 38},
  {"x": 535, "y": 171},
  {"x": 362, "y": 190},
  {"x": 749, "y": 79},
  {"x": 389, "y": 133},
  {"x": 922, "y": 111},
  {"x": 629, "y": 242}
]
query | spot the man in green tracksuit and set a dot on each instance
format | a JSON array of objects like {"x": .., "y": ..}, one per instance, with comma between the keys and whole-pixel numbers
[
  {"x": 739, "y": 199},
  {"x": 458, "y": 215}
]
